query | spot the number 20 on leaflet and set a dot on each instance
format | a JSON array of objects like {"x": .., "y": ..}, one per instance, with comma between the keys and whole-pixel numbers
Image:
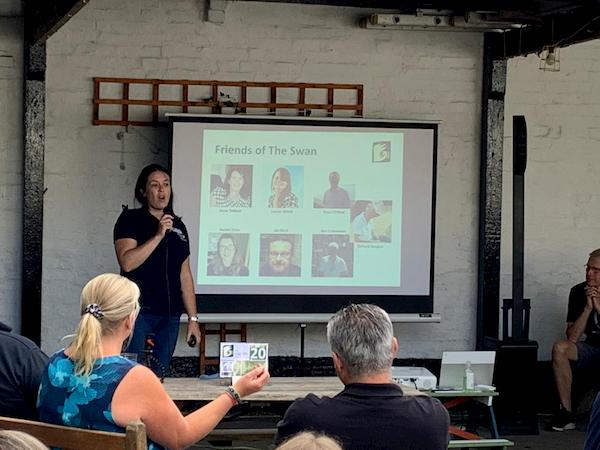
[{"x": 238, "y": 358}]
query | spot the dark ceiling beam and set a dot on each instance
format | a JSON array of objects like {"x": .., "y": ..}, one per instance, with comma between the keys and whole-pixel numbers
[
  {"x": 534, "y": 7},
  {"x": 546, "y": 22},
  {"x": 43, "y": 18},
  {"x": 561, "y": 32}
]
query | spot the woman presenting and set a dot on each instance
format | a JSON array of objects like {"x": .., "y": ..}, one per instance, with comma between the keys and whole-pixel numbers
[{"x": 153, "y": 250}]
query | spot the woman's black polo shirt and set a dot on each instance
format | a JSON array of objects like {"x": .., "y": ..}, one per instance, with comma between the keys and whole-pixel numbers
[{"x": 159, "y": 276}]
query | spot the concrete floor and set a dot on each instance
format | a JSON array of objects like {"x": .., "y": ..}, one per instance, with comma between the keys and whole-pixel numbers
[
  {"x": 572, "y": 440},
  {"x": 552, "y": 440},
  {"x": 546, "y": 440}
]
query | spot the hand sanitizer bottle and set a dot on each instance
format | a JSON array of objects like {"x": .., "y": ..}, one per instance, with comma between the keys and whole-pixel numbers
[{"x": 469, "y": 378}]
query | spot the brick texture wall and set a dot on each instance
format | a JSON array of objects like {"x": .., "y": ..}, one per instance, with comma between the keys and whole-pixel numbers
[
  {"x": 11, "y": 162},
  {"x": 562, "y": 188},
  {"x": 407, "y": 75}
]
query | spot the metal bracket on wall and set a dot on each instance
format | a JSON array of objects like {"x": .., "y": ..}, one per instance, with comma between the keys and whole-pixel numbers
[{"x": 143, "y": 102}]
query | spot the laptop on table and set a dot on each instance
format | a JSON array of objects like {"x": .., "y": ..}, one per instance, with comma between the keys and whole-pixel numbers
[{"x": 453, "y": 369}]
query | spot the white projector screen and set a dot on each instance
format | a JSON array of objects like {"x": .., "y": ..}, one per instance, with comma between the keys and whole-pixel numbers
[{"x": 300, "y": 215}]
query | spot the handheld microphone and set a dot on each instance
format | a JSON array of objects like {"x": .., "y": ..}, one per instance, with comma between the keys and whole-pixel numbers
[{"x": 168, "y": 211}]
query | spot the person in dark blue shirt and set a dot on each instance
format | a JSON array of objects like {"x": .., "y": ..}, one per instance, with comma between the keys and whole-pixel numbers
[{"x": 21, "y": 367}]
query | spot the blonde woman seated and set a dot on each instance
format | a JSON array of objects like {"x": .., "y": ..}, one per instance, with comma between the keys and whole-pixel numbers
[
  {"x": 309, "y": 440},
  {"x": 89, "y": 385}
]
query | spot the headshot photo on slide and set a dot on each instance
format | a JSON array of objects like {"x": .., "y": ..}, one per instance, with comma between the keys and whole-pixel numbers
[
  {"x": 228, "y": 254},
  {"x": 371, "y": 220},
  {"x": 280, "y": 255},
  {"x": 332, "y": 256},
  {"x": 337, "y": 195},
  {"x": 286, "y": 187},
  {"x": 231, "y": 186}
]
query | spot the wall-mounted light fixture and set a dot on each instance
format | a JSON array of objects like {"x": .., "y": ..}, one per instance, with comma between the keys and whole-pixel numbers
[
  {"x": 444, "y": 20},
  {"x": 550, "y": 58}
]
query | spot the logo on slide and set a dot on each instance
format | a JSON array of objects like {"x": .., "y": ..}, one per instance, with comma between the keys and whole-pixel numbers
[{"x": 382, "y": 151}]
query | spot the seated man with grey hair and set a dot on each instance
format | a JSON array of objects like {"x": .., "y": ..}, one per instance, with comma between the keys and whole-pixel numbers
[{"x": 371, "y": 412}]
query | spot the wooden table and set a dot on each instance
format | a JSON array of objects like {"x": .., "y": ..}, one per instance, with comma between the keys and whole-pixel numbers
[
  {"x": 279, "y": 389},
  {"x": 288, "y": 389}
]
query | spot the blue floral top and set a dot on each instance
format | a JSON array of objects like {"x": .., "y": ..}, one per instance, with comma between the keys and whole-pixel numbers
[{"x": 82, "y": 401}]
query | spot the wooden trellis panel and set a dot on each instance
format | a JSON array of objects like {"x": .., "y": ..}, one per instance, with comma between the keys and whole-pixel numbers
[{"x": 235, "y": 101}]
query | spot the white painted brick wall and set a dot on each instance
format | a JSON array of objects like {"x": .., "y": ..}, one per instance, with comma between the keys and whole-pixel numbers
[
  {"x": 562, "y": 188},
  {"x": 11, "y": 162},
  {"x": 407, "y": 75}
]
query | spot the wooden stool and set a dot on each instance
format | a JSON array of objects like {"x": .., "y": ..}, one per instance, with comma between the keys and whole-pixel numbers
[{"x": 222, "y": 332}]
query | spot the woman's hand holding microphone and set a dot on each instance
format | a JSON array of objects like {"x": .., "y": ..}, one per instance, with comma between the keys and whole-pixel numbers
[{"x": 164, "y": 225}]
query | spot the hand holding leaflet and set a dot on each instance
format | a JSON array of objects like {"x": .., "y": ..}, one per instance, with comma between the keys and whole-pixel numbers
[{"x": 239, "y": 358}]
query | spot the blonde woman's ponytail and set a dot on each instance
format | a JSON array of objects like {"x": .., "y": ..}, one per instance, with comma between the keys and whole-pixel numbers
[
  {"x": 106, "y": 301},
  {"x": 86, "y": 347}
]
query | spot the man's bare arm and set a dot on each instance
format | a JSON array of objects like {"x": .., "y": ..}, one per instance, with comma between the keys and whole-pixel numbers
[{"x": 576, "y": 329}]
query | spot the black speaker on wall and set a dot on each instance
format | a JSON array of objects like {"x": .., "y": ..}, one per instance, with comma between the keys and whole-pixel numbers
[{"x": 516, "y": 355}]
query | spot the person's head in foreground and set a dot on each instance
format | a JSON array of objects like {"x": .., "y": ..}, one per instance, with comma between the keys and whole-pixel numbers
[
  {"x": 109, "y": 307},
  {"x": 17, "y": 440},
  {"x": 310, "y": 441},
  {"x": 90, "y": 385},
  {"x": 371, "y": 412},
  {"x": 362, "y": 343}
]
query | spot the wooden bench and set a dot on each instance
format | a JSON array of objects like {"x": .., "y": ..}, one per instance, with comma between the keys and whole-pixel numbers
[
  {"x": 480, "y": 443},
  {"x": 70, "y": 438}
]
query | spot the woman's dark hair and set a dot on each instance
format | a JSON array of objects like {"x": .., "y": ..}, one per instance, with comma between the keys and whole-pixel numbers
[
  {"x": 284, "y": 174},
  {"x": 142, "y": 180}
]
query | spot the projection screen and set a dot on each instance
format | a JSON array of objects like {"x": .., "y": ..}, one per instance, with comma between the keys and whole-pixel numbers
[{"x": 300, "y": 215}]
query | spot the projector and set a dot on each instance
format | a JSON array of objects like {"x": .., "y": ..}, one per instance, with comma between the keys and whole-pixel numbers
[{"x": 414, "y": 377}]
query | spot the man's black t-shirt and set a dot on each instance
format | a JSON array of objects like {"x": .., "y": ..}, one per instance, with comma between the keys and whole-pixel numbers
[
  {"x": 21, "y": 366},
  {"x": 371, "y": 416},
  {"x": 159, "y": 276},
  {"x": 577, "y": 303}
]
